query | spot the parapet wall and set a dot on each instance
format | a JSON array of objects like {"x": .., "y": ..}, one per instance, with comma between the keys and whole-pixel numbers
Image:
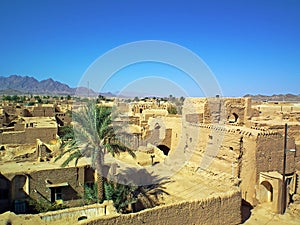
[
  {"x": 74, "y": 214},
  {"x": 224, "y": 209},
  {"x": 29, "y": 136},
  {"x": 218, "y": 110}
]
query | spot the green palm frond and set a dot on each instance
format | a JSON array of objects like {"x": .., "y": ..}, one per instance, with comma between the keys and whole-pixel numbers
[
  {"x": 117, "y": 148},
  {"x": 70, "y": 148},
  {"x": 92, "y": 134},
  {"x": 75, "y": 155}
]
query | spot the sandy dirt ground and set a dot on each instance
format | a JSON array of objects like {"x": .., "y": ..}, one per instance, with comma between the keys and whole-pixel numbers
[{"x": 263, "y": 215}]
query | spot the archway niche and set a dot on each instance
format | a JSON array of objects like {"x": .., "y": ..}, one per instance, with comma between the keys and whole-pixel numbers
[
  {"x": 233, "y": 118},
  {"x": 266, "y": 192},
  {"x": 165, "y": 149}
]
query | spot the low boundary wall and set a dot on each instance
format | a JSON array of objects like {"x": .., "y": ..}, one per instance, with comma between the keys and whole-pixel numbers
[
  {"x": 224, "y": 209},
  {"x": 74, "y": 214}
]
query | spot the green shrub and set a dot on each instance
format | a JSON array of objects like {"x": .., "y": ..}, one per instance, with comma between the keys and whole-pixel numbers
[{"x": 39, "y": 206}]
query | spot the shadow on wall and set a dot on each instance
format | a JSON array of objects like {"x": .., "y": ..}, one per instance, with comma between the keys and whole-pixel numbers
[
  {"x": 4, "y": 194},
  {"x": 148, "y": 188},
  {"x": 246, "y": 208}
]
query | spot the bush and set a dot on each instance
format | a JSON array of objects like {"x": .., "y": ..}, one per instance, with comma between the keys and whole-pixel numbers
[
  {"x": 39, "y": 206},
  {"x": 172, "y": 109},
  {"x": 90, "y": 194},
  {"x": 120, "y": 194}
]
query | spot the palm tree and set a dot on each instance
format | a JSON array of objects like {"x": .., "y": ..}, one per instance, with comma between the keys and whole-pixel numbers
[{"x": 93, "y": 136}]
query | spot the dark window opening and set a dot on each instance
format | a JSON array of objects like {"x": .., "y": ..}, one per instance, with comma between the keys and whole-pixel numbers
[
  {"x": 82, "y": 218},
  {"x": 233, "y": 118},
  {"x": 157, "y": 126},
  {"x": 164, "y": 148},
  {"x": 4, "y": 194},
  {"x": 56, "y": 194},
  {"x": 90, "y": 184}
]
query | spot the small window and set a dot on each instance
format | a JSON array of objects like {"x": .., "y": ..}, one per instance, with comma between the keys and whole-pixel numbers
[
  {"x": 82, "y": 218},
  {"x": 56, "y": 194},
  {"x": 89, "y": 184}
]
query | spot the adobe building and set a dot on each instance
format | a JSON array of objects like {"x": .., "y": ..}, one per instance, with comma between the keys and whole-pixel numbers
[
  {"x": 21, "y": 124},
  {"x": 140, "y": 106},
  {"x": 27, "y": 130},
  {"x": 218, "y": 135},
  {"x": 223, "y": 135},
  {"x": 47, "y": 182},
  {"x": 63, "y": 118},
  {"x": 23, "y": 110}
]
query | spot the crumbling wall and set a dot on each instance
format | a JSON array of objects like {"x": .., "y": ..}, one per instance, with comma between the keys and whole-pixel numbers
[
  {"x": 248, "y": 173},
  {"x": 194, "y": 118},
  {"x": 63, "y": 119},
  {"x": 224, "y": 209},
  {"x": 270, "y": 154},
  {"x": 162, "y": 130},
  {"x": 218, "y": 110},
  {"x": 174, "y": 125},
  {"x": 213, "y": 111}
]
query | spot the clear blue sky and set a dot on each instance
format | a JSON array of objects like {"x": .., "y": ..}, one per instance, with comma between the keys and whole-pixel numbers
[{"x": 251, "y": 46}]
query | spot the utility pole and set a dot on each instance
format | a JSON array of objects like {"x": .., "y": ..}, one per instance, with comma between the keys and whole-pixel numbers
[
  {"x": 152, "y": 159},
  {"x": 88, "y": 83},
  {"x": 284, "y": 167}
]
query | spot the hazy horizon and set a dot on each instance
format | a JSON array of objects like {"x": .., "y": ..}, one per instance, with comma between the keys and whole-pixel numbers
[{"x": 127, "y": 92}]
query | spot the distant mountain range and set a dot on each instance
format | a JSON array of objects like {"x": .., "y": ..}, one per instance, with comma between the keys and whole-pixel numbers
[
  {"x": 278, "y": 97},
  {"x": 22, "y": 85},
  {"x": 18, "y": 85}
]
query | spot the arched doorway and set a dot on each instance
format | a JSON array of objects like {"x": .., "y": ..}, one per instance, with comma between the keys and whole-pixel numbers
[
  {"x": 233, "y": 118},
  {"x": 266, "y": 192},
  {"x": 164, "y": 148},
  {"x": 20, "y": 190}
]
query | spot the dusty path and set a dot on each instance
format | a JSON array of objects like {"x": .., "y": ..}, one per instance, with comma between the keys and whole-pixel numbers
[{"x": 263, "y": 215}]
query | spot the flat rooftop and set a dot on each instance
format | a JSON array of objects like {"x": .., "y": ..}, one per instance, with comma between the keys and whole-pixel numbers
[
  {"x": 41, "y": 122},
  {"x": 23, "y": 167}
]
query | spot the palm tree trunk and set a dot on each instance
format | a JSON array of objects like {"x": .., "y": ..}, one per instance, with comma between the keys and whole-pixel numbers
[{"x": 99, "y": 177}]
